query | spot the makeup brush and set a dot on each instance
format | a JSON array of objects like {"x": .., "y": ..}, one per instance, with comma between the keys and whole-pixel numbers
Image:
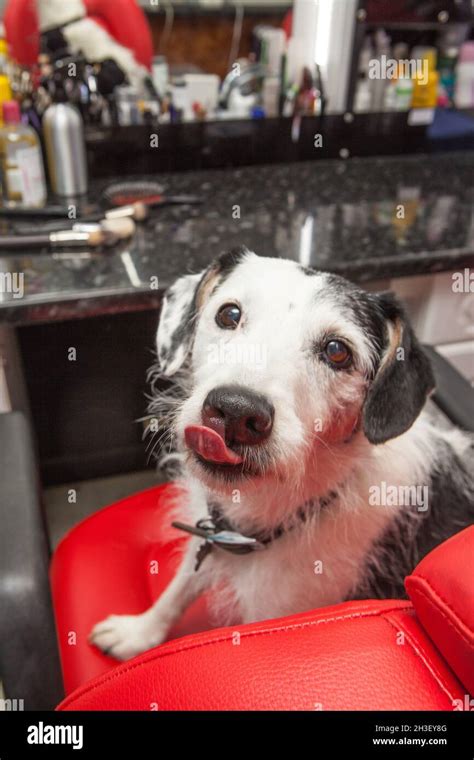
[
  {"x": 136, "y": 211},
  {"x": 47, "y": 212},
  {"x": 139, "y": 210},
  {"x": 123, "y": 228},
  {"x": 61, "y": 239},
  {"x": 123, "y": 205},
  {"x": 105, "y": 233}
]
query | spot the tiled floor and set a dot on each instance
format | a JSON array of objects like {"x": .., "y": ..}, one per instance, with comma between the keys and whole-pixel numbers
[{"x": 62, "y": 512}]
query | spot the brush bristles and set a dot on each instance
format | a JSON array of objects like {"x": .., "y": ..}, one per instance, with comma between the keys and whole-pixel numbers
[
  {"x": 137, "y": 211},
  {"x": 97, "y": 237},
  {"x": 141, "y": 211},
  {"x": 123, "y": 228}
]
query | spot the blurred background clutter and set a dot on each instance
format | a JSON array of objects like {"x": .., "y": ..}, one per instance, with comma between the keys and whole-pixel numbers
[
  {"x": 73, "y": 70},
  {"x": 246, "y": 80},
  {"x": 140, "y": 139},
  {"x": 121, "y": 62}
]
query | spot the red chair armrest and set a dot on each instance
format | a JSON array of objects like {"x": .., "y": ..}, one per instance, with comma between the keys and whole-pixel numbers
[{"x": 442, "y": 591}]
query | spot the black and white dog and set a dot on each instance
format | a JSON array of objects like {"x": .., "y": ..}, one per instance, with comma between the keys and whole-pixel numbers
[{"x": 313, "y": 474}]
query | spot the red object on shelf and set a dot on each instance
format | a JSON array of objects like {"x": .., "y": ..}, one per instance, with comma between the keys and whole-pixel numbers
[
  {"x": 123, "y": 19},
  {"x": 364, "y": 655},
  {"x": 11, "y": 112},
  {"x": 288, "y": 24}
]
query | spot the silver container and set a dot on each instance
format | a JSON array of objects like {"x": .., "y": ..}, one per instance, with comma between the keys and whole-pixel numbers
[{"x": 63, "y": 131}]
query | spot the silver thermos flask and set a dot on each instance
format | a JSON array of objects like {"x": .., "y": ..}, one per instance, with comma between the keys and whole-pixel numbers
[{"x": 63, "y": 131}]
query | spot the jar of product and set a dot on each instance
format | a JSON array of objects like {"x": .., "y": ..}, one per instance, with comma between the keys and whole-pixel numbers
[{"x": 21, "y": 161}]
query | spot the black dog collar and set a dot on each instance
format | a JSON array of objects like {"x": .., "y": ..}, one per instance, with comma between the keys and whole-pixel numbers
[{"x": 218, "y": 531}]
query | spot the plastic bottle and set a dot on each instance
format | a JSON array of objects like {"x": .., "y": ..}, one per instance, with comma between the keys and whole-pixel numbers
[
  {"x": 464, "y": 89},
  {"x": 4, "y": 57},
  {"x": 379, "y": 84},
  {"x": 425, "y": 88},
  {"x": 363, "y": 93},
  {"x": 399, "y": 92},
  {"x": 447, "y": 71},
  {"x": 21, "y": 161},
  {"x": 5, "y": 94},
  {"x": 398, "y": 95}
]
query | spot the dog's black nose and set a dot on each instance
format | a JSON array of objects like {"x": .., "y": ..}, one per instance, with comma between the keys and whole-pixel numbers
[{"x": 247, "y": 416}]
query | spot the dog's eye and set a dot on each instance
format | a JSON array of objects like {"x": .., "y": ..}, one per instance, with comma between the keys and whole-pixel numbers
[
  {"x": 228, "y": 316},
  {"x": 337, "y": 353}
]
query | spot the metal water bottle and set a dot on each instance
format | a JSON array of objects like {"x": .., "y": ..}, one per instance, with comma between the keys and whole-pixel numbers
[{"x": 63, "y": 130}]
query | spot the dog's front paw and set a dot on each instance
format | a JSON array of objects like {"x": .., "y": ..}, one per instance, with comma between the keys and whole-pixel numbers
[{"x": 125, "y": 636}]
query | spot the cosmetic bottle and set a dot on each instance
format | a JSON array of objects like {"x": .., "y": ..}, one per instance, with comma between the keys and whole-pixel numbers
[
  {"x": 447, "y": 71},
  {"x": 4, "y": 62},
  {"x": 160, "y": 74},
  {"x": 464, "y": 88},
  {"x": 5, "y": 94},
  {"x": 425, "y": 86},
  {"x": 379, "y": 83},
  {"x": 363, "y": 93},
  {"x": 399, "y": 94},
  {"x": 63, "y": 131},
  {"x": 21, "y": 161}
]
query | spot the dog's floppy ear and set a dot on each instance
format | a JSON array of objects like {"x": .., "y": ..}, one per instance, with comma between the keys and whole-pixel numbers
[
  {"x": 181, "y": 306},
  {"x": 175, "y": 328},
  {"x": 403, "y": 380}
]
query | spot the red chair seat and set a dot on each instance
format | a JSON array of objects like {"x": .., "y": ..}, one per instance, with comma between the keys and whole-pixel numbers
[
  {"x": 106, "y": 565},
  {"x": 356, "y": 655}
]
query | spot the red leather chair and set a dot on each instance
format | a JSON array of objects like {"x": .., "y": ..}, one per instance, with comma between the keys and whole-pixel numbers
[{"x": 370, "y": 655}]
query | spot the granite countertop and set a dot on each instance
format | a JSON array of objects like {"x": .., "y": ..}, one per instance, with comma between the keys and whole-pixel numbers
[{"x": 340, "y": 216}]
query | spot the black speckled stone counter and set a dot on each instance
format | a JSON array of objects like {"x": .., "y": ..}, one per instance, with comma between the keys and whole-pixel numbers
[{"x": 340, "y": 216}]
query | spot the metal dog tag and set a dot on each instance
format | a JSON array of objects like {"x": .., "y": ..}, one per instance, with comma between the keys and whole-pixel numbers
[
  {"x": 229, "y": 540},
  {"x": 235, "y": 542}
]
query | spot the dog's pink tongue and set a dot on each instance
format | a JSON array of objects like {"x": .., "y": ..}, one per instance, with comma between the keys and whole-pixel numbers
[{"x": 210, "y": 445}]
